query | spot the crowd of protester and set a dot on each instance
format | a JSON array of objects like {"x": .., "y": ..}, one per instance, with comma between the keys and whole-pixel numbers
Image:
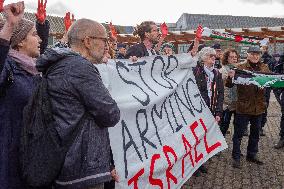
[{"x": 79, "y": 99}]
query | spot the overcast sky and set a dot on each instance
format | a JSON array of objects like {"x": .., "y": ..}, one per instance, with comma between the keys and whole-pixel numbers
[{"x": 132, "y": 12}]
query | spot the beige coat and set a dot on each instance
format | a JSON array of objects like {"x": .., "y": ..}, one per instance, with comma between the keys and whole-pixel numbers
[{"x": 230, "y": 94}]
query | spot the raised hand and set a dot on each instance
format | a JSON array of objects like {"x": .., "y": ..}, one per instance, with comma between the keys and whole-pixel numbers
[
  {"x": 67, "y": 21},
  {"x": 1, "y": 5},
  {"x": 41, "y": 11},
  {"x": 114, "y": 175},
  {"x": 199, "y": 31},
  {"x": 195, "y": 47},
  {"x": 14, "y": 12},
  {"x": 164, "y": 29},
  {"x": 112, "y": 30}
]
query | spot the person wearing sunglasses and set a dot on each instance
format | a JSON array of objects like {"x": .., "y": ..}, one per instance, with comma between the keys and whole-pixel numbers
[{"x": 210, "y": 84}]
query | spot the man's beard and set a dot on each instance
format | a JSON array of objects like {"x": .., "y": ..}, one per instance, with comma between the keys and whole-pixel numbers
[
  {"x": 96, "y": 59},
  {"x": 155, "y": 41}
]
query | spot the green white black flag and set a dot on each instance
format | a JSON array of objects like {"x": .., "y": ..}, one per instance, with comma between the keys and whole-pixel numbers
[{"x": 244, "y": 77}]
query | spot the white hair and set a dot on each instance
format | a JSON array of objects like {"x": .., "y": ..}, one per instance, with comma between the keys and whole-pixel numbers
[{"x": 204, "y": 52}]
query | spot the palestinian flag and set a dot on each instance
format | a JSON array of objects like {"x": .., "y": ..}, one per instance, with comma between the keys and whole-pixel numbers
[{"x": 245, "y": 77}]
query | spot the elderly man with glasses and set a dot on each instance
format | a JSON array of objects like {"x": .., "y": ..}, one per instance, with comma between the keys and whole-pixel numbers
[
  {"x": 250, "y": 106},
  {"x": 79, "y": 99}
]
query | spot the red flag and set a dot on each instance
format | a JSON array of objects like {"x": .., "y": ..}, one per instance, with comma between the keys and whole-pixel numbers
[
  {"x": 164, "y": 29},
  {"x": 112, "y": 30}
]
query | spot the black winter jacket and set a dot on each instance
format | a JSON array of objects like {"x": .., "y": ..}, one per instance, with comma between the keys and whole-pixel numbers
[
  {"x": 217, "y": 98},
  {"x": 75, "y": 88},
  {"x": 16, "y": 87},
  {"x": 269, "y": 61},
  {"x": 138, "y": 50}
]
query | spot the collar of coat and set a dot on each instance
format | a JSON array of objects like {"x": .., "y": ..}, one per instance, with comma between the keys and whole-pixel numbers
[{"x": 257, "y": 67}]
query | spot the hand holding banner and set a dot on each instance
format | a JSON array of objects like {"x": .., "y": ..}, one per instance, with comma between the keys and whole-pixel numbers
[{"x": 166, "y": 130}]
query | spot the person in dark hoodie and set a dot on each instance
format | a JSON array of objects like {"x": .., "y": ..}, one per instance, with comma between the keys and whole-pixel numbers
[
  {"x": 19, "y": 45},
  {"x": 78, "y": 96}
]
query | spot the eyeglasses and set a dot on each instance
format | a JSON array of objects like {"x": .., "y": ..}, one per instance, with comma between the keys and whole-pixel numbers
[
  {"x": 105, "y": 40},
  {"x": 212, "y": 55},
  {"x": 153, "y": 29}
]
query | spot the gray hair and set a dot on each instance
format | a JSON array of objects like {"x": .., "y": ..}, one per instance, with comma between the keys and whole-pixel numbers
[
  {"x": 83, "y": 28},
  {"x": 204, "y": 52}
]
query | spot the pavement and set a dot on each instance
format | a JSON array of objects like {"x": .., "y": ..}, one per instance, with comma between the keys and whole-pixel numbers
[{"x": 268, "y": 176}]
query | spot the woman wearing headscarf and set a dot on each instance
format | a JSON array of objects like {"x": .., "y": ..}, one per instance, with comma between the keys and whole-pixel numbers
[{"x": 19, "y": 46}]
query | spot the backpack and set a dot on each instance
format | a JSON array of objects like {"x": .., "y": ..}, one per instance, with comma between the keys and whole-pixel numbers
[
  {"x": 42, "y": 150},
  {"x": 9, "y": 81}
]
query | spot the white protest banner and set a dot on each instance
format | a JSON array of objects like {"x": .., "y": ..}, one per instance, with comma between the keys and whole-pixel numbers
[{"x": 166, "y": 130}]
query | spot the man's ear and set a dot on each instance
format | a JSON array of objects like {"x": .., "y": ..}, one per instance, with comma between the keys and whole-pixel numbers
[{"x": 87, "y": 42}]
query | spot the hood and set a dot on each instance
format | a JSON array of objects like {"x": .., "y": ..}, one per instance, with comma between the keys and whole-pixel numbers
[{"x": 51, "y": 56}]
